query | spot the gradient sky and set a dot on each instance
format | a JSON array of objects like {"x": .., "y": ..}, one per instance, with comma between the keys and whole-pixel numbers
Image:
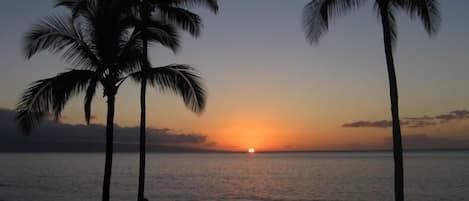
[{"x": 268, "y": 88}]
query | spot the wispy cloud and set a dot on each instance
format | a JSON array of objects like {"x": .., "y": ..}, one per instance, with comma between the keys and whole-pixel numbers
[
  {"x": 369, "y": 124},
  {"x": 454, "y": 115},
  {"x": 413, "y": 122}
]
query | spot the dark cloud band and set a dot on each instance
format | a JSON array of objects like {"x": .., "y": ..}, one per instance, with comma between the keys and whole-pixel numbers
[
  {"x": 58, "y": 136},
  {"x": 413, "y": 122}
]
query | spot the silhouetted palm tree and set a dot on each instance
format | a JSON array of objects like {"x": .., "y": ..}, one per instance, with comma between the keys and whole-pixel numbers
[
  {"x": 99, "y": 39},
  {"x": 173, "y": 12},
  {"x": 316, "y": 17}
]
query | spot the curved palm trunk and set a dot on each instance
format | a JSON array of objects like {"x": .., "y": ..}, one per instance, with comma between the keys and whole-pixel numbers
[
  {"x": 109, "y": 147},
  {"x": 141, "y": 176},
  {"x": 396, "y": 127}
]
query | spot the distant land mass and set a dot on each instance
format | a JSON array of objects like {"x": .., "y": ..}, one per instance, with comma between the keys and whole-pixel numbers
[{"x": 54, "y": 136}]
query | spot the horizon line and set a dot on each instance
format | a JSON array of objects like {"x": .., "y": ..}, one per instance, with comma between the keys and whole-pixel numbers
[{"x": 257, "y": 152}]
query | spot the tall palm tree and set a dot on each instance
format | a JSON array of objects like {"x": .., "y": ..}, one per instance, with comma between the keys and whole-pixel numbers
[
  {"x": 316, "y": 17},
  {"x": 98, "y": 39},
  {"x": 173, "y": 12}
]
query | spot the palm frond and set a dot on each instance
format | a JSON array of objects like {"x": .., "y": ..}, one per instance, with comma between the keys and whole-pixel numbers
[
  {"x": 70, "y": 4},
  {"x": 179, "y": 79},
  {"x": 427, "y": 10},
  {"x": 57, "y": 34},
  {"x": 318, "y": 13},
  {"x": 212, "y": 5},
  {"x": 183, "y": 18},
  {"x": 122, "y": 7},
  {"x": 162, "y": 33},
  {"x": 90, "y": 92},
  {"x": 130, "y": 58},
  {"x": 79, "y": 8},
  {"x": 75, "y": 6},
  {"x": 49, "y": 95},
  {"x": 386, "y": 9},
  {"x": 392, "y": 28}
]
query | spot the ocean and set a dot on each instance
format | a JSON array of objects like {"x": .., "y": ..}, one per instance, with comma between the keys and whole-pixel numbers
[{"x": 325, "y": 176}]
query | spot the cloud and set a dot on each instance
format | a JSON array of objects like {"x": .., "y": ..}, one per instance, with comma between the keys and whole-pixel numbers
[
  {"x": 423, "y": 141},
  {"x": 58, "y": 136},
  {"x": 210, "y": 144},
  {"x": 454, "y": 115},
  {"x": 167, "y": 136},
  {"x": 408, "y": 122},
  {"x": 413, "y": 122},
  {"x": 370, "y": 124}
]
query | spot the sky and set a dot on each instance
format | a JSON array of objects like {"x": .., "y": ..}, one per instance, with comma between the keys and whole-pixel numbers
[{"x": 271, "y": 90}]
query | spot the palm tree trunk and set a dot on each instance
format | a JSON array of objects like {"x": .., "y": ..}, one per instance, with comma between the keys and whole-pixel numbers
[
  {"x": 141, "y": 176},
  {"x": 396, "y": 127},
  {"x": 109, "y": 147}
]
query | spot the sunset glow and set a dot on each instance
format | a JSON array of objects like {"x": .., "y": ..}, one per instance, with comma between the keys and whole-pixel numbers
[{"x": 251, "y": 150}]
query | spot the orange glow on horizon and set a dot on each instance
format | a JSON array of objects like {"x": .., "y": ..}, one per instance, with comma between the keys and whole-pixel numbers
[{"x": 251, "y": 150}]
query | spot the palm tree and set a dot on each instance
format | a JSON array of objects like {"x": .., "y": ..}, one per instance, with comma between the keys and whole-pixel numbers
[
  {"x": 316, "y": 17},
  {"x": 174, "y": 12},
  {"x": 98, "y": 39}
]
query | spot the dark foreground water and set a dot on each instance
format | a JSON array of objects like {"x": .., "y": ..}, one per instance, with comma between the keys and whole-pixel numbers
[{"x": 430, "y": 176}]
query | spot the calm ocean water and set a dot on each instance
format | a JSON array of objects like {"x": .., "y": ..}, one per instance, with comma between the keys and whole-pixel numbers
[{"x": 430, "y": 176}]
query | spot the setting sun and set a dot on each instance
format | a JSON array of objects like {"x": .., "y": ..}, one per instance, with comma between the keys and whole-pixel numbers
[{"x": 251, "y": 150}]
